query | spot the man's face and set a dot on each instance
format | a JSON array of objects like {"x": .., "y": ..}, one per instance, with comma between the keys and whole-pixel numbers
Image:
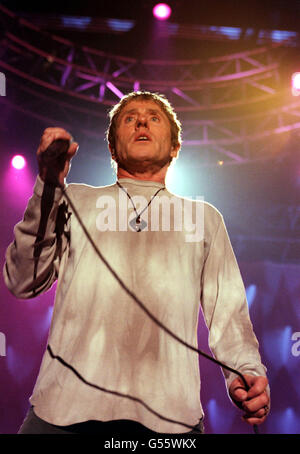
[{"x": 143, "y": 137}]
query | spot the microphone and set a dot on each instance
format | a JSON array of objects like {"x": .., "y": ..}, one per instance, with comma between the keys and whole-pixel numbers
[{"x": 55, "y": 152}]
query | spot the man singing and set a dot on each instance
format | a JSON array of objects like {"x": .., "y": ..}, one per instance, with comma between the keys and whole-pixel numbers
[{"x": 108, "y": 361}]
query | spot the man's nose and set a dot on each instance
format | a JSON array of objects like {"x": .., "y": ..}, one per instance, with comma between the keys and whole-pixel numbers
[{"x": 141, "y": 122}]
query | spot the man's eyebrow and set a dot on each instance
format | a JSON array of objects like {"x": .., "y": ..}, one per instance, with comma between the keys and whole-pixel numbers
[
  {"x": 128, "y": 111},
  {"x": 155, "y": 111},
  {"x": 131, "y": 111}
]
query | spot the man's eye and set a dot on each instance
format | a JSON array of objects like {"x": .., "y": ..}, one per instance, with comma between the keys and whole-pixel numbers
[
  {"x": 129, "y": 119},
  {"x": 154, "y": 119}
]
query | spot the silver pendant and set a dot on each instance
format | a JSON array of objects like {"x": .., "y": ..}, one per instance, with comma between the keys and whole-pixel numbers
[{"x": 138, "y": 224}]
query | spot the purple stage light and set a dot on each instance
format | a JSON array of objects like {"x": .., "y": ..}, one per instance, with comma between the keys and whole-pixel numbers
[
  {"x": 162, "y": 11},
  {"x": 18, "y": 162},
  {"x": 114, "y": 89}
]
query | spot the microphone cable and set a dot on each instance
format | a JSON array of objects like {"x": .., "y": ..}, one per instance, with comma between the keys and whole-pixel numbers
[{"x": 132, "y": 295}]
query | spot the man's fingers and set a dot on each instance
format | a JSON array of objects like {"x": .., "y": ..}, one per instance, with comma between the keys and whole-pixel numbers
[
  {"x": 58, "y": 133},
  {"x": 239, "y": 394},
  {"x": 237, "y": 390},
  {"x": 257, "y": 417},
  {"x": 254, "y": 420},
  {"x": 256, "y": 403},
  {"x": 257, "y": 386},
  {"x": 55, "y": 167},
  {"x": 50, "y": 135}
]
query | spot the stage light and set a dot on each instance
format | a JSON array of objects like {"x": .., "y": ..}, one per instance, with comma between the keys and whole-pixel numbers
[
  {"x": 296, "y": 84},
  {"x": 251, "y": 293},
  {"x": 18, "y": 162},
  {"x": 114, "y": 89},
  {"x": 162, "y": 11}
]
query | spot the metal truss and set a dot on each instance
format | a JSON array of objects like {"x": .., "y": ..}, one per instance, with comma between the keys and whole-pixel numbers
[
  {"x": 87, "y": 80},
  {"x": 93, "y": 75},
  {"x": 224, "y": 141},
  {"x": 249, "y": 137},
  {"x": 102, "y": 25},
  {"x": 226, "y": 104}
]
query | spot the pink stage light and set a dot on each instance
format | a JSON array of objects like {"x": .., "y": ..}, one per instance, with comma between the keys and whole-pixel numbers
[
  {"x": 18, "y": 162},
  {"x": 296, "y": 84},
  {"x": 162, "y": 11}
]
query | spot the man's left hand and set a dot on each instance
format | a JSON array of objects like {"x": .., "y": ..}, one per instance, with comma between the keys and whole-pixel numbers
[{"x": 255, "y": 402}]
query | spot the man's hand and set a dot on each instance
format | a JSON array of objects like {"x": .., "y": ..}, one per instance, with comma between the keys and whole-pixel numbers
[
  {"x": 254, "y": 402},
  {"x": 59, "y": 169}
]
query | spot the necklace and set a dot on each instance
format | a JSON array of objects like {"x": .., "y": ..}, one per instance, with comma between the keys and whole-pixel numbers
[{"x": 137, "y": 223}]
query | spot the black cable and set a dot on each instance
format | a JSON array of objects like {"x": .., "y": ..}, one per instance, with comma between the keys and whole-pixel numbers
[
  {"x": 116, "y": 393},
  {"x": 146, "y": 310}
]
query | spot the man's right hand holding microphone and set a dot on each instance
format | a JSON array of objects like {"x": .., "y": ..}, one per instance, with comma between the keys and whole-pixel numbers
[{"x": 54, "y": 155}]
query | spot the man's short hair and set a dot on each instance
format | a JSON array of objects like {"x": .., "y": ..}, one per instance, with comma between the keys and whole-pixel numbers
[{"x": 159, "y": 99}]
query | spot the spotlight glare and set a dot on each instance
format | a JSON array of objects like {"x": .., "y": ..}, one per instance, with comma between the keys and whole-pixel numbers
[
  {"x": 162, "y": 11},
  {"x": 18, "y": 162},
  {"x": 296, "y": 84}
]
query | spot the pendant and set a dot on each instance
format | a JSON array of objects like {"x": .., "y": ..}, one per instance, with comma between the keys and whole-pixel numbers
[{"x": 138, "y": 224}]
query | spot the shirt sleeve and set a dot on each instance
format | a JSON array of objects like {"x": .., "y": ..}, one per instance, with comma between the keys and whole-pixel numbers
[
  {"x": 231, "y": 336},
  {"x": 40, "y": 239}
]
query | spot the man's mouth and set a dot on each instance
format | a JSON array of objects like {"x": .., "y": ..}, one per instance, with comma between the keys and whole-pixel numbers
[{"x": 142, "y": 138}]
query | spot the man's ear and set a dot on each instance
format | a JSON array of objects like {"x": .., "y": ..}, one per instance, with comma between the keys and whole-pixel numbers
[
  {"x": 175, "y": 151},
  {"x": 112, "y": 152}
]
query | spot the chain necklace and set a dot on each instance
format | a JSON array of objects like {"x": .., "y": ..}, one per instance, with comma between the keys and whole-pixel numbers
[{"x": 137, "y": 223}]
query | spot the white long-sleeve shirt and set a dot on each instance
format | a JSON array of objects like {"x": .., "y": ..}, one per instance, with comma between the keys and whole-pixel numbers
[{"x": 98, "y": 329}]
